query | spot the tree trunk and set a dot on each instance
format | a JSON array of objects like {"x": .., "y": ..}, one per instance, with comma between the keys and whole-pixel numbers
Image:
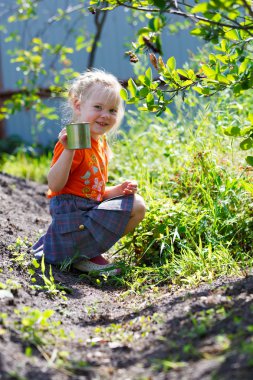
[{"x": 100, "y": 18}]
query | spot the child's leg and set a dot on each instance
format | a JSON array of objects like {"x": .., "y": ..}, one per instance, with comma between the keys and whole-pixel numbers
[
  {"x": 137, "y": 214},
  {"x": 99, "y": 263}
]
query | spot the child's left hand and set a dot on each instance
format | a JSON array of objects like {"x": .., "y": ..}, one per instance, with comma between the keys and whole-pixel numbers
[{"x": 129, "y": 187}]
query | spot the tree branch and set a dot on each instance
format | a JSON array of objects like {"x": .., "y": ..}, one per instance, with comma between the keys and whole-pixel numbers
[{"x": 194, "y": 18}]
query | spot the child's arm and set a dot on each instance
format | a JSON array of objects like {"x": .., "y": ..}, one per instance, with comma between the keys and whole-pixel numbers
[
  {"x": 126, "y": 188},
  {"x": 59, "y": 172}
]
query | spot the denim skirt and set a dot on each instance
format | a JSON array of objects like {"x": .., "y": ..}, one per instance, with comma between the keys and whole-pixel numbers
[{"x": 83, "y": 228}]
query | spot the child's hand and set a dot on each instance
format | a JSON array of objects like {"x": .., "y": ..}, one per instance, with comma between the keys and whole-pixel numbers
[
  {"x": 129, "y": 187},
  {"x": 63, "y": 138}
]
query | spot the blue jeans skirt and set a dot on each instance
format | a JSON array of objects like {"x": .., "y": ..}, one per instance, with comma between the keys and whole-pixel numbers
[{"x": 83, "y": 228}]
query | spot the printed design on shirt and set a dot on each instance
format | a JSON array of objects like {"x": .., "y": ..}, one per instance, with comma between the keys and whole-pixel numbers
[
  {"x": 92, "y": 160},
  {"x": 95, "y": 169},
  {"x": 97, "y": 184},
  {"x": 94, "y": 186},
  {"x": 86, "y": 177}
]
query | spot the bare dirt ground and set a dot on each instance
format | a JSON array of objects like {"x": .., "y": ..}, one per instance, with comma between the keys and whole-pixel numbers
[{"x": 106, "y": 333}]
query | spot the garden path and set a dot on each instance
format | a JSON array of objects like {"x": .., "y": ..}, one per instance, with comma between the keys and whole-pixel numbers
[{"x": 105, "y": 332}]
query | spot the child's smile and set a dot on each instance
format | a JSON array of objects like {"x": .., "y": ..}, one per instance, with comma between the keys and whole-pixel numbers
[{"x": 100, "y": 110}]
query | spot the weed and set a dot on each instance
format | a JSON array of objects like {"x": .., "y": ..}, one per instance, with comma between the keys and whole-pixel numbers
[
  {"x": 19, "y": 253},
  {"x": 35, "y": 328},
  {"x": 23, "y": 260},
  {"x": 92, "y": 310},
  {"x": 50, "y": 286},
  {"x": 166, "y": 365},
  {"x": 131, "y": 331},
  {"x": 203, "y": 321}
]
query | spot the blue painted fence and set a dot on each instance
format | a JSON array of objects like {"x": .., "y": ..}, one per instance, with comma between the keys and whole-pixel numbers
[{"x": 110, "y": 56}]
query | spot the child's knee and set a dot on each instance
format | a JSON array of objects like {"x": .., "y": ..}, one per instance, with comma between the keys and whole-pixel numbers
[{"x": 139, "y": 207}]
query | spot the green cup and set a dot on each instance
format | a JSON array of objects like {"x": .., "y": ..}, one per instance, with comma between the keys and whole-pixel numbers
[{"x": 78, "y": 135}]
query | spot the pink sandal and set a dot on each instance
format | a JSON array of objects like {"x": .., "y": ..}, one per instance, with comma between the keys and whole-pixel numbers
[{"x": 98, "y": 264}]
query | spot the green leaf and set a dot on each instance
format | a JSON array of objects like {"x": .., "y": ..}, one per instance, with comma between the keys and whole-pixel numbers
[
  {"x": 222, "y": 79},
  {"x": 157, "y": 24},
  {"x": 36, "y": 59},
  {"x": 124, "y": 94},
  {"x": 244, "y": 66},
  {"x": 28, "y": 351},
  {"x": 150, "y": 99},
  {"x": 109, "y": 8},
  {"x": 132, "y": 87},
  {"x": 224, "y": 45},
  {"x": 132, "y": 100},
  {"x": 37, "y": 41},
  {"x": 171, "y": 63},
  {"x": 144, "y": 30},
  {"x": 144, "y": 92},
  {"x": 210, "y": 73},
  {"x": 48, "y": 313},
  {"x": 196, "y": 32},
  {"x": 200, "y": 8},
  {"x": 35, "y": 263},
  {"x": 232, "y": 131},
  {"x": 232, "y": 35},
  {"x": 216, "y": 17},
  {"x": 182, "y": 72},
  {"x": 160, "y": 3},
  {"x": 12, "y": 18},
  {"x": 246, "y": 130},
  {"x": 43, "y": 268},
  {"x": 148, "y": 74},
  {"x": 246, "y": 144},
  {"x": 237, "y": 89},
  {"x": 249, "y": 160},
  {"x": 200, "y": 90}
]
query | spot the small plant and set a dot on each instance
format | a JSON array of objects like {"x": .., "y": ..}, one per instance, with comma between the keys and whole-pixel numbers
[
  {"x": 33, "y": 324},
  {"x": 50, "y": 286},
  {"x": 19, "y": 253},
  {"x": 91, "y": 310},
  {"x": 167, "y": 365},
  {"x": 131, "y": 331},
  {"x": 35, "y": 328},
  {"x": 202, "y": 321}
]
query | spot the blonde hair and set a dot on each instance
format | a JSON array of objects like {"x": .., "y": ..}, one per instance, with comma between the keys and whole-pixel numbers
[{"x": 87, "y": 84}]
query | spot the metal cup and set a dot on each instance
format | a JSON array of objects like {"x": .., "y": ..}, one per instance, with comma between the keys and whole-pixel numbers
[{"x": 78, "y": 135}]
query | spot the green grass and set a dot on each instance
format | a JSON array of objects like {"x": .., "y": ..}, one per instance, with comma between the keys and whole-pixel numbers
[
  {"x": 25, "y": 166},
  {"x": 199, "y": 220}
]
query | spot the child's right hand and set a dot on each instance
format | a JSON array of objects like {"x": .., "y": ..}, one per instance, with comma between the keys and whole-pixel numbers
[{"x": 63, "y": 138}]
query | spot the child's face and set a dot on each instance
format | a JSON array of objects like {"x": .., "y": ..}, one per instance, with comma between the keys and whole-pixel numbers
[{"x": 100, "y": 110}]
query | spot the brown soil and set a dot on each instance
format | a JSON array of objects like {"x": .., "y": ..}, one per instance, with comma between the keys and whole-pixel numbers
[{"x": 165, "y": 333}]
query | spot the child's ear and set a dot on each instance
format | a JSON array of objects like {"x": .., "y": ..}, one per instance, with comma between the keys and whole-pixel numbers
[{"x": 77, "y": 105}]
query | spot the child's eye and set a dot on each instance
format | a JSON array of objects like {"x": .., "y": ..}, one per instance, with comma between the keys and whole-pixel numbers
[
  {"x": 113, "y": 111},
  {"x": 98, "y": 107}
]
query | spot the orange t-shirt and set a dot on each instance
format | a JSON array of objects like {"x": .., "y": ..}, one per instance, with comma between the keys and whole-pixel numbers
[{"x": 89, "y": 171}]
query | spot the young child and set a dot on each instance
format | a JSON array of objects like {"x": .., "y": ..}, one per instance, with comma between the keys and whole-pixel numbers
[{"x": 88, "y": 217}]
